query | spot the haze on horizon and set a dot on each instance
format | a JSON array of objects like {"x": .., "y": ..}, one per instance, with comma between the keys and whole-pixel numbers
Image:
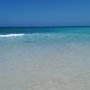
[{"x": 44, "y": 13}]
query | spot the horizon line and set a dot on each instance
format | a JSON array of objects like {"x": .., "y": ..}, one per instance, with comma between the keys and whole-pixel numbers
[{"x": 42, "y": 26}]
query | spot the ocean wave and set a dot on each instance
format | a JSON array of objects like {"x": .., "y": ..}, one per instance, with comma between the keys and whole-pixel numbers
[
  {"x": 47, "y": 36},
  {"x": 11, "y": 35},
  {"x": 41, "y": 35}
]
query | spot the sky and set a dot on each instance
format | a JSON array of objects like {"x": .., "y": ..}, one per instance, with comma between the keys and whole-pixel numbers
[{"x": 44, "y": 13}]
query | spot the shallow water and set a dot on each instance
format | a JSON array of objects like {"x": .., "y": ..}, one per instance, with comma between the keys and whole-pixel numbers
[{"x": 45, "y": 61}]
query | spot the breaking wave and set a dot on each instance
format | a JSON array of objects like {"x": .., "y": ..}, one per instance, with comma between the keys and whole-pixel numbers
[
  {"x": 47, "y": 36},
  {"x": 11, "y": 35}
]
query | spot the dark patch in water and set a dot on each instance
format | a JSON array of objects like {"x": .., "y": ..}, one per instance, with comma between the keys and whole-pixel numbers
[{"x": 28, "y": 41}]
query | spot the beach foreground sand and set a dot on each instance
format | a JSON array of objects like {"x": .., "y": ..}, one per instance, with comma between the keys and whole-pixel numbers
[{"x": 32, "y": 66}]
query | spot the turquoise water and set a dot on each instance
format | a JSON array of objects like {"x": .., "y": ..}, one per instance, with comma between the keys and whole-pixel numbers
[
  {"x": 47, "y": 34},
  {"x": 45, "y": 58},
  {"x": 15, "y": 30}
]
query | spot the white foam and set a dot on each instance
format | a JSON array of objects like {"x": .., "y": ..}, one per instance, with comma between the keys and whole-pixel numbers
[{"x": 11, "y": 35}]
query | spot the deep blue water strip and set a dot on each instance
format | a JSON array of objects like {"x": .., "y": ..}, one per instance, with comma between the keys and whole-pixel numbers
[{"x": 14, "y": 30}]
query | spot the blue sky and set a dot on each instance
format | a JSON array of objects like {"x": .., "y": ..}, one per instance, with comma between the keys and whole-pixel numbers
[{"x": 44, "y": 12}]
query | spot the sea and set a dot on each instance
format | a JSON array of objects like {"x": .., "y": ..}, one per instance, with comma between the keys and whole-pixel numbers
[{"x": 45, "y": 58}]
